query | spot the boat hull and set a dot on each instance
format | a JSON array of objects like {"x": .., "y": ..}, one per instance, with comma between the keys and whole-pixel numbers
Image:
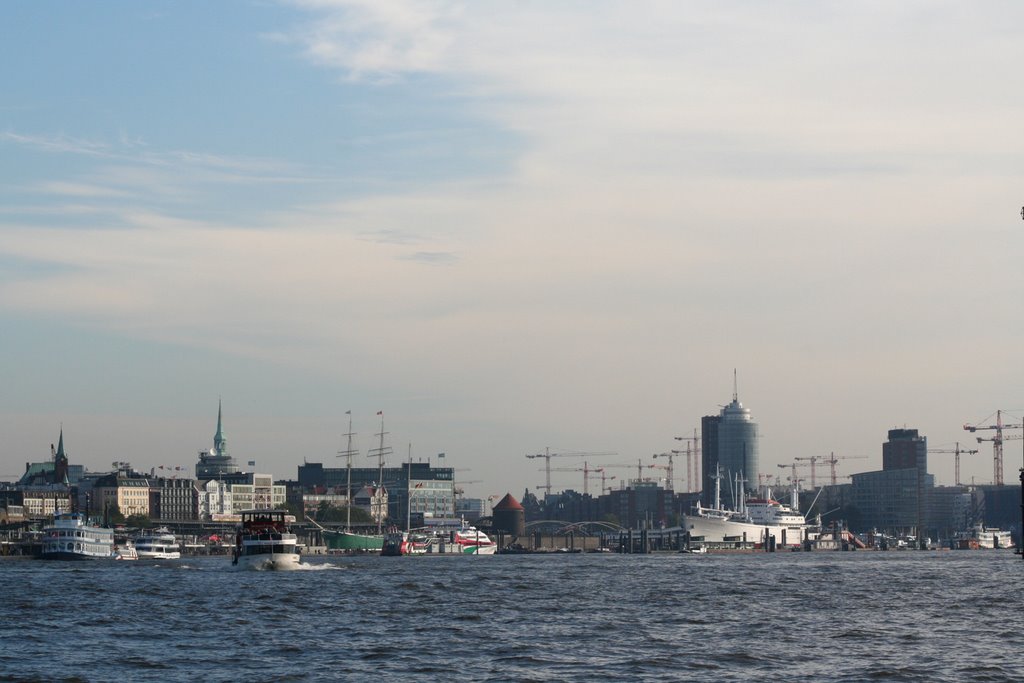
[
  {"x": 344, "y": 540},
  {"x": 269, "y": 561},
  {"x": 715, "y": 530}
]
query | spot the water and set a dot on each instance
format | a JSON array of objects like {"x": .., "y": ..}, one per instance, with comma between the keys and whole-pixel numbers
[{"x": 862, "y": 616}]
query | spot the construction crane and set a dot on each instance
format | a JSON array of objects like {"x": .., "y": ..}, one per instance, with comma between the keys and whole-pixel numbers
[
  {"x": 997, "y": 443},
  {"x": 692, "y": 451},
  {"x": 586, "y": 470},
  {"x": 547, "y": 455},
  {"x": 669, "y": 471},
  {"x": 605, "y": 489},
  {"x": 639, "y": 468},
  {"x": 813, "y": 460},
  {"x": 956, "y": 451},
  {"x": 793, "y": 467},
  {"x": 1009, "y": 437},
  {"x": 833, "y": 459}
]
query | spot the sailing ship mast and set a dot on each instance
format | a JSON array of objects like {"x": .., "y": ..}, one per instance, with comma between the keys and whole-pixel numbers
[
  {"x": 348, "y": 453},
  {"x": 379, "y": 453}
]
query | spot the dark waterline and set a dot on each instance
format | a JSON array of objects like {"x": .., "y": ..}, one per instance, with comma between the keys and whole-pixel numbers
[{"x": 863, "y": 616}]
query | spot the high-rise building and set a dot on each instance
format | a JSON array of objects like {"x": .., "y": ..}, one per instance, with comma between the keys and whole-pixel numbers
[
  {"x": 728, "y": 447},
  {"x": 905, "y": 450}
]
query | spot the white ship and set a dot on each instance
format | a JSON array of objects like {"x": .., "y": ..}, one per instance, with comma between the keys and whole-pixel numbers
[
  {"x": 264, "y": 541},
  {"x": 158, "y": 544},
  {"x": 756, "y": 521},
  {"x": 982, "y": 536},
  {"x": 71, "y": 537}
]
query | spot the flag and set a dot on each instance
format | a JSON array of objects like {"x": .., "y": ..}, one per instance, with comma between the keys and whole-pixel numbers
[
  {"x": 440, "y": 455},
  {"x": 252, "y": 463},
  {"x": 348, "y": 412}
]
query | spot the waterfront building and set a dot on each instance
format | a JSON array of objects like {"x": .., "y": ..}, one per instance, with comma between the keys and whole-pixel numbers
[
  {"x": 894, "y": 500},
  {"x": 44, "y": 500},
  {"x": 216, "y": 462},
  {"x": 214, "y": 500},
  {"x": 124, "y": 490},
  {"x": 471, "y": 509},
  {"x": 509, "y": 516},
  {"x": 56, "y": 470},
  {"x": 905, "y": 450},
  {"x": 642, "y": 504},
  {"x": 729, "y": 445},
  {"x": 173, "y": 499}
]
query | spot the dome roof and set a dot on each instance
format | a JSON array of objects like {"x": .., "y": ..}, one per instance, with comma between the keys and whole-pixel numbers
[{"x": 508, "y": 503}]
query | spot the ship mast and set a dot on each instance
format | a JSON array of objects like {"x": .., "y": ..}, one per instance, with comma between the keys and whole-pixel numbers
[
  {"x": 380, "y": 452},
  {"x": 348, "y": 453}
]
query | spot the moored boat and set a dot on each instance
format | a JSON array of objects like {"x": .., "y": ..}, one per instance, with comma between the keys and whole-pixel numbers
[
  {"x": 71, "y": 537},
  {"x": 264, "y": 541},
  {"x": 981, "y": 536},
  {"x": 351, "y": 541},
  {"x": 757, "y": 521}
]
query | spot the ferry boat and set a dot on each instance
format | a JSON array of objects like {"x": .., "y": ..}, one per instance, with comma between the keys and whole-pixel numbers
[
  {"x": 755, "y": 520},
  {"x": 71, "y": 537},
  {"x": 440, "y": 540},
  {"x": 157, "y": 544},
  {"x": 983, "y": 537},
  {"x": 264, "y": 541}
]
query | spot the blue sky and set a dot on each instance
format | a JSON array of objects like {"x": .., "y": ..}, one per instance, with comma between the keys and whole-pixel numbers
[{"x": 509, "y": 226}]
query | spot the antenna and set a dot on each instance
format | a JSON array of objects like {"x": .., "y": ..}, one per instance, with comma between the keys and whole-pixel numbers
[{"x": 735, "y": 392}]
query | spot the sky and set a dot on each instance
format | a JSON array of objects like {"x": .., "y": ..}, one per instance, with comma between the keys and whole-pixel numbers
[{"x": 509, "y": 227}]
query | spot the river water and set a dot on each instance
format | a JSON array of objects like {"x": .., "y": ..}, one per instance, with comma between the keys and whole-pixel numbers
[{"x": 825, "y": 616}]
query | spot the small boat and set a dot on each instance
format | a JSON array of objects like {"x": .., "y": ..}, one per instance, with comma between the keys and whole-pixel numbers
[
  {"x": 264, "y": 541},
  {"x": 157, "y": 544},
  {"x": 71, "y": 537},
  {"x": 125, "y": 551}
]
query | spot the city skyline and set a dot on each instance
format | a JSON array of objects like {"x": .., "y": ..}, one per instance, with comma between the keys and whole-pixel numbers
[{"x": 506, "y": 239}]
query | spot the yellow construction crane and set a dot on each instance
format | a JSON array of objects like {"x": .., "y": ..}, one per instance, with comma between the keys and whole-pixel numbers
[
  {"x": 997, "y": 443},
  {"x": 547, "y": 455},
  {"x": 956, "y": 451}
]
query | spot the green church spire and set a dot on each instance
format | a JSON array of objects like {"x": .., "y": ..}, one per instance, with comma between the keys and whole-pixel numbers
[{"x": 220, "y": 444}]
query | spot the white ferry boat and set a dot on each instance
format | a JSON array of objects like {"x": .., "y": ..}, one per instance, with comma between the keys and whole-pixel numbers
[
  {"x": 982, "y": 536},
  {"x": 755, "y": 521},
  {"x": 264, "y": 541},
  {"x": 157, "y": 544},
  {"x": 70, "y": 537}
]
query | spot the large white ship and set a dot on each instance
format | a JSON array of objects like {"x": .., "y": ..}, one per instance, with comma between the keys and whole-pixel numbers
[{"x": 755, "y": 520}]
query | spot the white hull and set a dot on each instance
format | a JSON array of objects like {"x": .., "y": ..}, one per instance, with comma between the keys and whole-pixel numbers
[
  {"x": 269, "y": 561},
  {"x": 716, "y": 530},
  {"x": 70, "y": 538},
  {"x": 158, "y": 555}
]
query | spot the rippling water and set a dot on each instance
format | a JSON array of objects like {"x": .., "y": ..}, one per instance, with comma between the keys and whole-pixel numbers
[{"x": 862, "y": 616}]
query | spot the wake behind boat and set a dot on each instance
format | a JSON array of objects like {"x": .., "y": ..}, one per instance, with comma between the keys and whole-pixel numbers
[{"x": 264, "y": 541}]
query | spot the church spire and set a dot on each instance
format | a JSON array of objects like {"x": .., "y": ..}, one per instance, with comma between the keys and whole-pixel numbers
[
  {"x": 60, "y": 447},
  {"x": 220, "y": 444}
]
